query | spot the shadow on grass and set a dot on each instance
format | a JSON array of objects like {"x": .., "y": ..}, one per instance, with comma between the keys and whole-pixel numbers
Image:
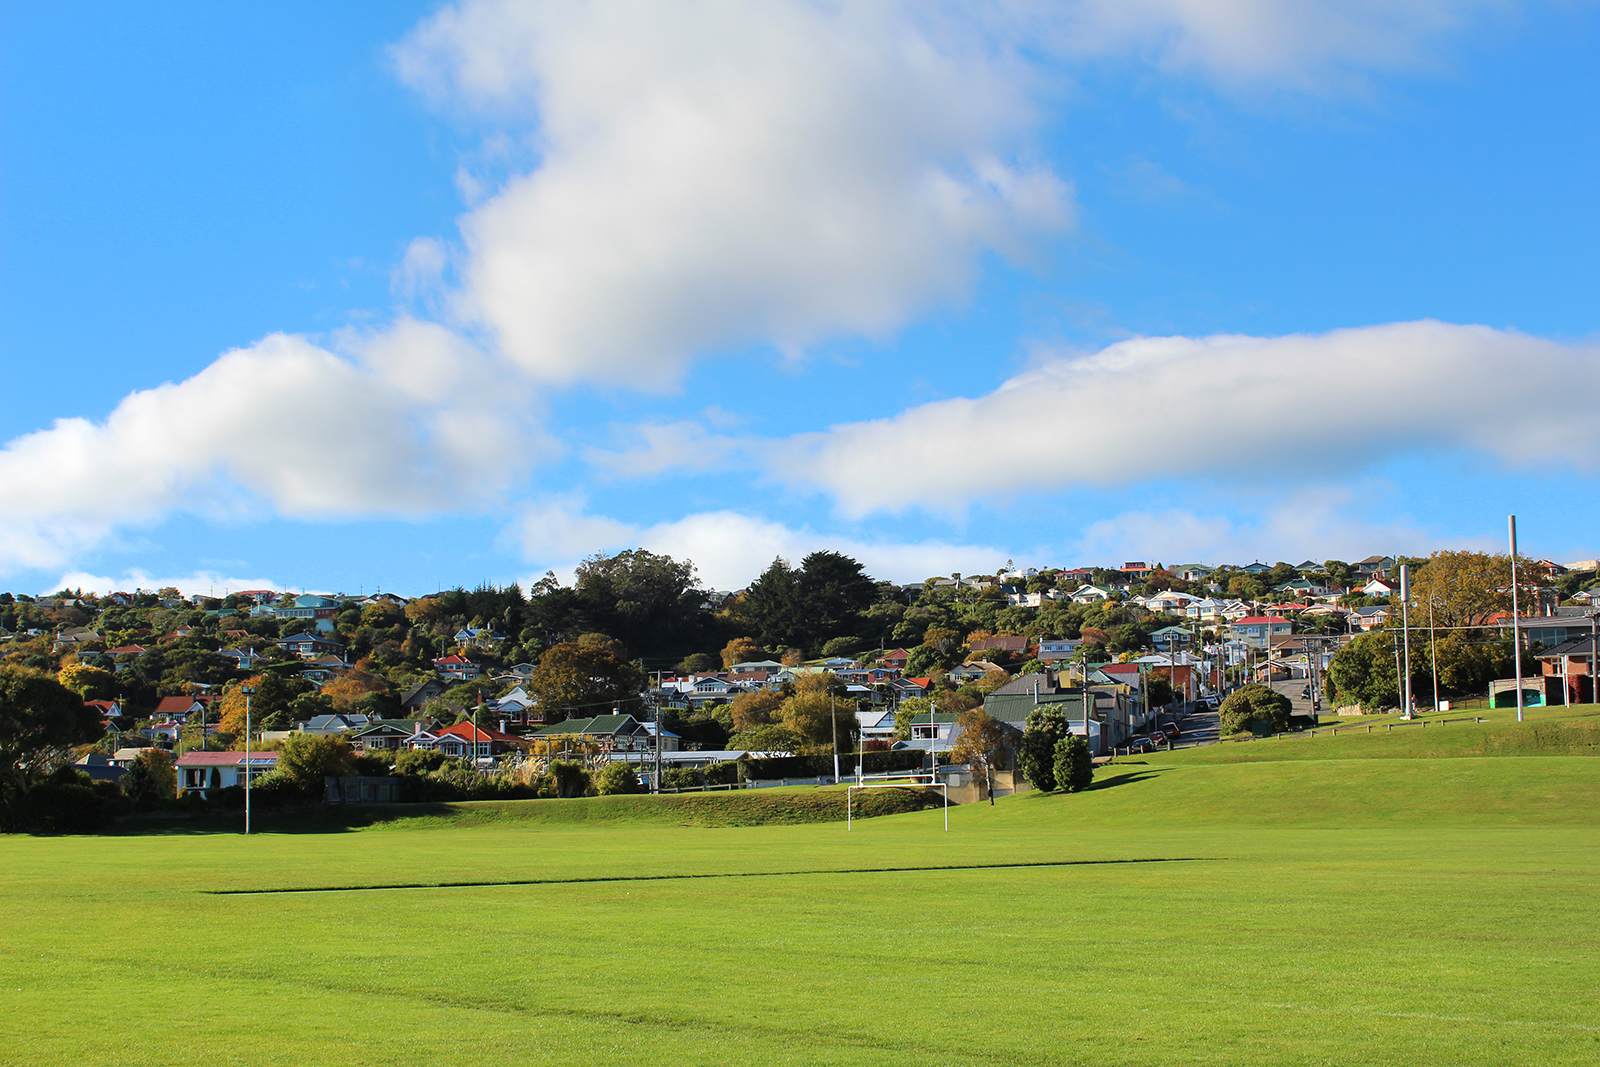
[
  {"x": 697, "y": 876},
  {"x": 309, "y": 820}
]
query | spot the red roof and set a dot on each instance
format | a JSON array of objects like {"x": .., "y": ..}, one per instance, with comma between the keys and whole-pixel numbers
[
  {"x": 453, "y": 660},
  {"x": 221, "y": 759},
  {"x": 124, "y": 648},
  {"x": 924, "y": 682},
  {"x": 175, "y": 705},
  {"x": 1256, "y": 620},
  {"x": 467, "y": 732},
  {"x": 1120, "y": 668}
]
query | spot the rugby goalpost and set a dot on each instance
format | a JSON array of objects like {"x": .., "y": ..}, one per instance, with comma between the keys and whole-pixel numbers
[{"x": 927, "y": 779}]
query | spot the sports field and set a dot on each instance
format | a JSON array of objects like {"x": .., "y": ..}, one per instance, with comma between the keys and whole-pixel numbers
[{"x": 1343, "y": 900}]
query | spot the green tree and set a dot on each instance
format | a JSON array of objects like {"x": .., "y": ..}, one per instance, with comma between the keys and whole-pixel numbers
[
  {"x": 306, "y": 759},
  {"x": 1073, "y": 765},
  {"x": 1363, "y": 672},
  {"x": 1252, "y": 703},
  {"x": 653, "y": 603},
  {"x": 90, "y": 683},
  {"x": 925, "y": 660},
  {"x": 581, "y": 680},
  {"x": 150, "y": 778},
  {"x": 40, "y": 721},
  {"x": 1045, "y": 727}
]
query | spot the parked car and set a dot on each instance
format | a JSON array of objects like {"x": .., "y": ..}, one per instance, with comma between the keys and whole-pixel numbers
[{"x": 1171, "y": 730}]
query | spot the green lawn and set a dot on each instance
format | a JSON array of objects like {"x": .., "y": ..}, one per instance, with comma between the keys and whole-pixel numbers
[{"x": 1354, "y": 899}]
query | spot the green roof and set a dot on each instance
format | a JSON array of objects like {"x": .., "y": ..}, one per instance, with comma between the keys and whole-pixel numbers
[{"x": 599, "y": 724}]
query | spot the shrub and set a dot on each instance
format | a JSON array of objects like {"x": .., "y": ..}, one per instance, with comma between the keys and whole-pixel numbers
[
  {"x": 616, "y": 777},
  {"x": 66, "y": 804},
  {"x": 569, "y": 778},
  {"x": 724, "y": 773},
  {"x": 1252, "y": 702},
  {"x": 275, "y": 789},
  {"x": 229, "y": 797},
  {"x": 682, "y": 778},
  {"x": 418, "y": 761},
  {"x": 1074, "y": 765}
]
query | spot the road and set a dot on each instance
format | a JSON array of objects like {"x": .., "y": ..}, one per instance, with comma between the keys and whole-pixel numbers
[{"x": 1292, "y": 689}]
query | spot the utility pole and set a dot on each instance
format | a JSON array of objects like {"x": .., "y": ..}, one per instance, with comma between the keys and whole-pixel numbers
[{"x": 833, "y": 709}]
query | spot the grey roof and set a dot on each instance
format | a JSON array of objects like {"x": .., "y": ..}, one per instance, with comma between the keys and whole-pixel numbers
[{"x": 607, "y": 725}]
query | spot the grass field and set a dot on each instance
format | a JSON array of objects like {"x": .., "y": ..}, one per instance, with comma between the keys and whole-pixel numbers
[{"x": 1344, "y": 900}]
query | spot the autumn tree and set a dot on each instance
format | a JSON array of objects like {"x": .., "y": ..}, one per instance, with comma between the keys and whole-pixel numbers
[
  {"x": 741, "y": 650},
  {"x": 981, "y": 745},
  {"x": 349, "y": 689},
  {"x": 1464, "y": 588},
  {"x": 759, "y": 708},
  {"x": 90, "y": 683},
  {"x": 818, "y": 715},
  {"x": 271, "y": 706},
  {"x": 579, "y": 680}
]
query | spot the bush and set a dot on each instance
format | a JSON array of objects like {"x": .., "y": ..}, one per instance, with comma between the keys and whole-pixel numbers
[
  {"x": 229, "y": 797},
  {"x": 614, "y": 778},
  {"x": 275, "y": 789},
  {"x": 1252, "y": 702},
  {"x": 418, "y": 761},
  {"x": 724, "y": 773},
  {"x": 682, "y": 778},
  {"x": 569, "y": 778},
  {"x": 1074, "y": 765},
  {"x": 65, "y": 807}
]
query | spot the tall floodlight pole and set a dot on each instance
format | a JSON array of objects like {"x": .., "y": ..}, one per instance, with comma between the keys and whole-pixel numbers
[
  {"x": 833, "y": 709},
  {"x": 1516, "y": 625},
  {"x": 1433, "y": 650},
  {"x": 1405, "y": 631},
  {"x": 249, "y": 691},
  {"x": 1594, "y": 655}
]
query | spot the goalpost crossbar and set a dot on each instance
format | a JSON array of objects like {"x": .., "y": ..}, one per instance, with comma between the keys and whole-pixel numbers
[{"x": 894, "y": 781}]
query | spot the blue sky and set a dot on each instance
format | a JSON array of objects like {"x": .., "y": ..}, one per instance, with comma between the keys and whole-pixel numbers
[{"x": 404, "y": 295}]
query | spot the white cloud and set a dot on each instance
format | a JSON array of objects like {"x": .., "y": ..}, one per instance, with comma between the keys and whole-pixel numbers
[
  {"x": 1228, "y": 408},
  {"x": 1316, "y": 522},
  {"x": 731, "y": 550},
  {"x": 412, "y": 423},
  {"x": 668, "y": 446},
  {"x": 209, "y": 583},
  {"x": 714, "y": 174},
  {"x": 1317, "y": 46}
]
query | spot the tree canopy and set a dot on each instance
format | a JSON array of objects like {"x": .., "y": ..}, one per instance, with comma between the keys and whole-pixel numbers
[
  {"x": 40, "y": 721},
  {"x": 574, "y": 680}
]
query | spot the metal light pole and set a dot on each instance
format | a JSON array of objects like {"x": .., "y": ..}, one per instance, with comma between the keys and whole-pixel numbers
[
  {"x": 1516, "y": 626},
  {"x": 1433, "y": 650},
  {"x": 249, "y": 691},
  {"x": 1405, "y": 631},
  {"x": 833, "y": 709}
]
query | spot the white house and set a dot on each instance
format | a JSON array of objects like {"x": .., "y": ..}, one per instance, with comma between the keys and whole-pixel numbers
[{"x": 199, "y": 772}]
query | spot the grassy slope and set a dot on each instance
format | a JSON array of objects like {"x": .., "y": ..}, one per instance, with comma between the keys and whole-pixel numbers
[{"x": 1322, "y": 908}]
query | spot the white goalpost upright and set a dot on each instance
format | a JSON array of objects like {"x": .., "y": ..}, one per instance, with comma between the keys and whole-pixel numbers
[{"x": 895, "y": 781}]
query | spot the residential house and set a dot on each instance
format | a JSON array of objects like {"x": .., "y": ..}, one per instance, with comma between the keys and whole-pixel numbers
[
  {"x": 201, "y": 772},
  {"x": 310, "y": 646},
  {"x": 467, "y": 741},
  {"x": 177, "y": 709},
  {"x": 421, "y": 693},
  {"x": 389, "y": 735},
  {"x": 457, "y": 668},
  {"x": 319, "y": 609},
  {"x": 1000, "y": 643},
  {"x": 1380, "y": 587},
  {"x": 1373, "y": 567},
  {"x": 1088, "y": 594},
  {"x": 617, "y": 733},
  {"x": 1056, "y": 649},
  {"x": 895, "y": 659},
  {"x": 1368, "y": 618},
  {"x": 1256, "y": 631},
  {"x": 1191, "y": 572},
  {"x": 972, "y": 671},
  {"x": 1568, "y": 672}
]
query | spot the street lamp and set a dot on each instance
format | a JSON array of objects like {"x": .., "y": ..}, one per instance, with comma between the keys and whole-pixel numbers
[{"x": 249, "y": 691}]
